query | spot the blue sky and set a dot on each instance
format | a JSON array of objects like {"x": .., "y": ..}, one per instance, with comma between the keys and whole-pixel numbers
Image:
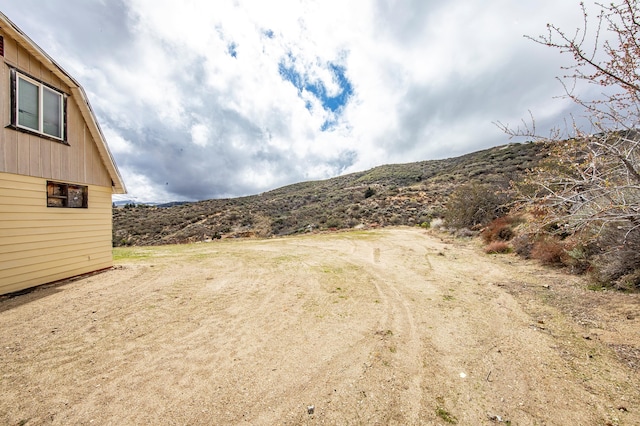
[
  {"x": 331, "y": 101},
  {"x": 201, "y": 99}
]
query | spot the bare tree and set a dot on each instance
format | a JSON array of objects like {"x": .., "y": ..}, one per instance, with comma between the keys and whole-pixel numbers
[
  {"x": 594, "y": 177},
  {"x": 591, "y": 181}
]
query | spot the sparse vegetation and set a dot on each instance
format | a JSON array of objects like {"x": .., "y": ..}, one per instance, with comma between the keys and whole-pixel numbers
[
  {"x": 500, "y": 229},
  {"x": 446, "y": 416},
  {"x": 588, "y": 189},
  {"x": 474, "y": 204},
  {"x": 619, "y": 268},
  {"x": 548, "y": 250},
  {"x": 401, "y": 194},
  {"x": 497, "y": 247},
  {"x": 466, "y": 196}
]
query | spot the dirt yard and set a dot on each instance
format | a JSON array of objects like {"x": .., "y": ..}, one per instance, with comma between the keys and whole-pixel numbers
[{"x": 394, "y": 326}]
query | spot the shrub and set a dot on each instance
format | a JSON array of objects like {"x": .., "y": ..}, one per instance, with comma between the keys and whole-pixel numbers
[
  {"x": 464, "y": 233},
  {"x": 370, "y": 192},
  {"x": 334, "y": 223},
  {"x": 352, "y": 223},
  {"x": 619, "y": 263},
  {"x": 522, "y": 245},
  {"x": 437, "y": 223},
  {"x": 505, "y": 234},
  {"x": 395, "y": 219},
  {"x": 577, "y": 256},
  {"x": 548, "y": 251},
  {"x": 500, "y": 229},
  {"x": 496, "y": 247},
  {"x": 474, "y": 204}
]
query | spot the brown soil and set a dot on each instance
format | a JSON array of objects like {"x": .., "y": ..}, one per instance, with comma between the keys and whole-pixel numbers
[{"x": 395, "y": 326}]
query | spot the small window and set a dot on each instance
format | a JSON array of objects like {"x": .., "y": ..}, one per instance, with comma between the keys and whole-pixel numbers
[
  {"x": 51, "y": 113},
  {"x": 67, "y": 195},
  {"x": 38, "y": 108},
  {"x": 28, "y": 105}
]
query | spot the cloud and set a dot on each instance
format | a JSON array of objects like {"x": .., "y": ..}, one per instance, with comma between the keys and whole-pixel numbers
[
  {"x": 203, "y": 99},
  {"x": 117, "y": 144},
  {"x": 200, "y": 134}
]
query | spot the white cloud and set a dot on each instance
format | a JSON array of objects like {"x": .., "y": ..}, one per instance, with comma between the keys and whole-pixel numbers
[
  {"x": 117, "y": 144},
  {"x": 142, "y": 189},
  {"x": 200, "y": 134}
]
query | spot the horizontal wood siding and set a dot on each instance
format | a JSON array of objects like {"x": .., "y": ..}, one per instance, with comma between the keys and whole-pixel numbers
[
  {"x": 31, "y": 155},
  {"x": 40, "y": 244}
]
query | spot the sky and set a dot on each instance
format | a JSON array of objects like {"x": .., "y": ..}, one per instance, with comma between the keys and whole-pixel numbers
[{"x": 202, "y": 99}]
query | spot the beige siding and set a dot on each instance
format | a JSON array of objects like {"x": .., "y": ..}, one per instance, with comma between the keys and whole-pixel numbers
[
  {"x": 30, "y": 155},
  {"x": 39, "y": 244}
]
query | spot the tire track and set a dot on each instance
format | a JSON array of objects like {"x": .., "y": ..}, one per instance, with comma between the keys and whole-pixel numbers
[
  {"x": 368, "y": 328},
  {"x": 396, "y": 346},
  {"x": 403, "y": 325}
]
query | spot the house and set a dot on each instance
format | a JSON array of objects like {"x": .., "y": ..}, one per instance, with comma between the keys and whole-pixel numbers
[{"x": 57, "y": 174}]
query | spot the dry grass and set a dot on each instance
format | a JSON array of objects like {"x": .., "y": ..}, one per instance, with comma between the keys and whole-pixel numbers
[
  {"x": 497, "y": 247},
  {"x": 549, "y": 251}
]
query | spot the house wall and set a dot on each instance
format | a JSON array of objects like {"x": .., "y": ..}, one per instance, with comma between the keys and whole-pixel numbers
[
  {"x": 30, "y": 155},
  {"x": 40, "y": 244}
]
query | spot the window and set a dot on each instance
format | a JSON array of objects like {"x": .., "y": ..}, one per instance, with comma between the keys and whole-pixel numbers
[
  {"x": 67, "y": 195},
  {"x": 37, "y": 107}
]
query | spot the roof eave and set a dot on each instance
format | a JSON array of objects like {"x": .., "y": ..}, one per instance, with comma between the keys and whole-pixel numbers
[{"x": 78, "y": 93}]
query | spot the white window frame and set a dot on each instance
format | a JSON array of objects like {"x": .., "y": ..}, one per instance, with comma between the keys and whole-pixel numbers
[{"x": 41, "y": 88}]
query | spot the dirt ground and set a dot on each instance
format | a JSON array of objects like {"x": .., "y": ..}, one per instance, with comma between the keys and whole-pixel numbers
[{"x": 394, "y": 326}]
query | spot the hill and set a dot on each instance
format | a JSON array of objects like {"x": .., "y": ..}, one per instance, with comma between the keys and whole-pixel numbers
[{"x": 397, "y": 194}]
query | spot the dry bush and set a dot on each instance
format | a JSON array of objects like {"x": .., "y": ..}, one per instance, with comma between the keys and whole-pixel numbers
[
  {"x": 539, "y": 212},
  {"x": 463, "y": 233},
  {"x": 619, "y": 264},
  {"x": 549, "y": 251},
  {"x": 437, "y": 223},
  {"x": 496, "y": 247},
  {"x": 523, "y": 244},
  {"x": 474, "y": 204},
  {"x": 577, "y": 254},
  {"x": 500, "y": 229}
]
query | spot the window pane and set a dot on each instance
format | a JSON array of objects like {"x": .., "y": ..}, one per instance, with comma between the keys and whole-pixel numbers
[
  {"x": 51, "y": 113},
  {"x": 56, "y": 194},
  {"x": 77, "y": 196},
  {"x": 28, "y": 105}
]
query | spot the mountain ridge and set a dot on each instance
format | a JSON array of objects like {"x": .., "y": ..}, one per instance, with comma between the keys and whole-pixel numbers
[{"x": 393, "y": 194}]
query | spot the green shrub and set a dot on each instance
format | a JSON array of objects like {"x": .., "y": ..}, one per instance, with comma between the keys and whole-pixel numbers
[
  {"x": 577, "y": 256},
  {"x": 334, "y": 223},
  {"x": 370, "y": 192}
]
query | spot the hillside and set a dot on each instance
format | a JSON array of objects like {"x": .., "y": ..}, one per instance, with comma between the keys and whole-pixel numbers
[{"x": 398, "y": 194}]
